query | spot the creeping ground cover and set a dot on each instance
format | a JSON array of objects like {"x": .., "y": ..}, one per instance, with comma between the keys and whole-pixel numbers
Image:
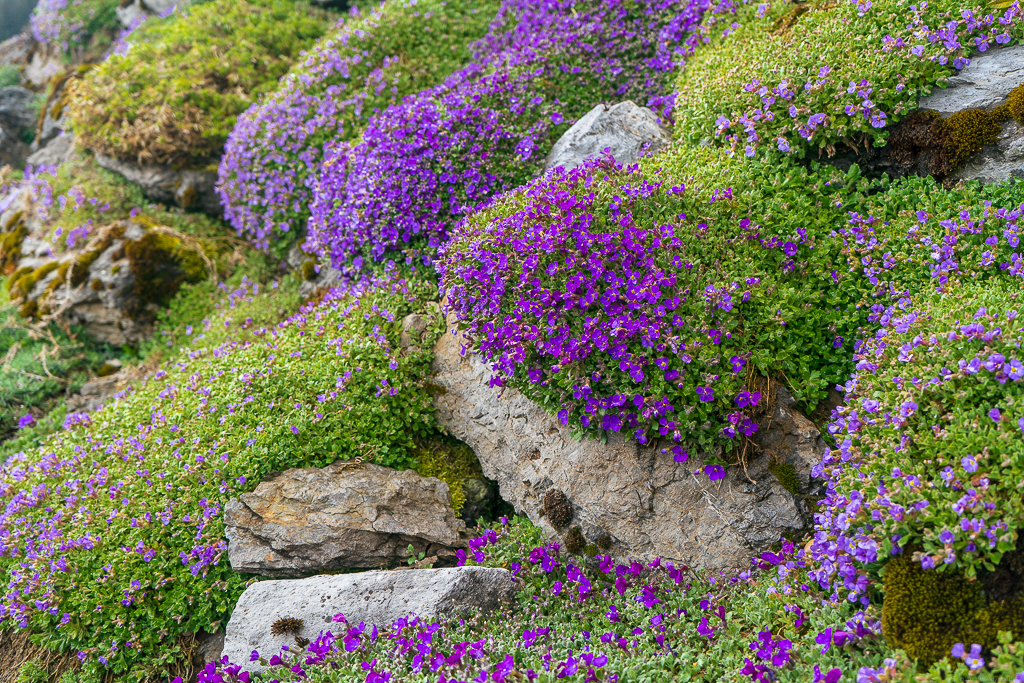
[
  {"x": 367, "y": 62},
  {"x": 814, "y": 78},
  {"x": 173, "y": 95},
  {"x": 488, "y": 128},
  {"x": 112, "y": 537},
  {"x": 647, "y": 300},
  {"x": 76, "y": 27}
]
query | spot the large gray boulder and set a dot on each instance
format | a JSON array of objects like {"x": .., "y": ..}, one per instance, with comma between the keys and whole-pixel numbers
[
  {"x": 985, "y": 84},
  {"x": 191, "y": 189},
  {"x": 623, "y": 130},
  {"x": 377, "y": 598},
  {"x": 305, "y": 521},
  {"x": 633, "y": 500}
]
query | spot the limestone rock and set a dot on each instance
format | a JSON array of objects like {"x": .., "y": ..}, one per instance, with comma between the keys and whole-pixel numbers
[
  {"x": 985, "y": 84},
  {"x": 190, "y": 189},
  {"x": 17, "y": 49},
  {"x": 43, "y": 64},
  {"x": 94, "y": 394},
  {"x": 309, "y": 520},
  {"x": 648, "y": 504},
  {"x": 59, "y": 149},
  {"x": 623, "y": 129},
  {"x": 377, "y": 598},
  {"x": 131, "y": 14}
]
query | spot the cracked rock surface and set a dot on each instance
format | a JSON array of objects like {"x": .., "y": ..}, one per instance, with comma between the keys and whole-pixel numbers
[
  {"x": 304, "y": 521},
  {"x": 649, "y": 505},
  {"x": 377, "y": 598}
]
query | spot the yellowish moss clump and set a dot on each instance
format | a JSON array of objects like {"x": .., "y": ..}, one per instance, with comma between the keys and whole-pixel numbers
[
  {"x": 926, "y": 612},
  {"x": 971, "y": 129},
  {"x": 1015, "y": 103},
  {"x": 450, "y": 461},
  {"x": 161, "y": 263}
]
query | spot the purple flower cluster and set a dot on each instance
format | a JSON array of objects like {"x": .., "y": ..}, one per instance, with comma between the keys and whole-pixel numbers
[
  {"x": 593, "y": 290},
  {"x": 275, "y": 153},
  {"x": 486, "y": 129},
  {"x": 872, "y": 63},
  {"x": 927, "y": 451}
]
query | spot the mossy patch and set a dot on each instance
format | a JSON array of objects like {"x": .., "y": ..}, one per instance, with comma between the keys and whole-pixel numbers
[
  {"x": 926, "y": 612},
  {"x": 786, "y": 474},
  {"x": 175, "y": 96},
  {"x": 452, "y": 462},
  {"x": 970, "y": 130},
  {"x": 161, "y": 263}
]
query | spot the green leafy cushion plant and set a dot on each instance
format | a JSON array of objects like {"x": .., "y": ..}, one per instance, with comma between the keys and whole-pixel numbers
[
  {"x": 141, "y": 559},
  {"x": 819, "y": 77},
  {"x": 173, "y": 97},
  {"x": 655, "y": 301}
]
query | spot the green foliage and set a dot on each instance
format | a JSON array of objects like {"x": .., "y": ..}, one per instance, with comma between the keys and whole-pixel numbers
[
  {"x": 174, "y": 97},
  {"x": 237, "y": 404},
  {"x": 38, "y": 368},
  {"x": 1005, "y": 664},
  {"x": 815, "y": 59},
  {"x": 452, "y": 462},
  {"x": 926, "y": 612},
  {"x": 33, "y": 672},
  {"x": 760, "y": 233}
]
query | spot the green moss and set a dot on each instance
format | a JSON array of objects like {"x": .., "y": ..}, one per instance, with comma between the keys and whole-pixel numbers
[
  {"x": 161, "y": 263},
  {"x": 11, "y": 238},
  {"x": 786, "y": 474},
  {"x": 969, "y": 130},
  {"x": 23, "y": 282},
  {"x": 175, "y": 96},
  {"x": 1015, "y": 103},
  {"x": 925, "y": 612},
  {"x": 309, "y": 270},
  {"x": 452, "y": 462}
]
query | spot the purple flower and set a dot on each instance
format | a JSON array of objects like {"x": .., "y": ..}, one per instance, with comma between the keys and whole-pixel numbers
[
  {"x": 26, "y": 420},
  {"x": 995, "y": 415},
  {"x": 706, "y": 394},
  {"x": 714, "y": 472}
]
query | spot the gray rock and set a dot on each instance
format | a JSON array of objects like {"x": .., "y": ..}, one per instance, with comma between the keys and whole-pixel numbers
[
  {"x": 189, "y": 188},
  {"x": 16, "y": 49},
  {"x": 413, "y": 326},
  {"x": 998, "y": 162},
  {"x": 58, "y": 150},
  {"x": 159, "y": 6},
  {"x": 131, "y": 14},
  {"x": 44, "y": 63},
  {"x": 985, "y": 83},
  {"x": 94, "y": 394},
  {"x": 377, "y": 598},
  {"x": 346, "y": 515},
  {"x": 15, "y": 119},
  {"x": 623, "y": 129},
  {"x": 480, "y": 499},
  {"x": 647, "y": 503}
]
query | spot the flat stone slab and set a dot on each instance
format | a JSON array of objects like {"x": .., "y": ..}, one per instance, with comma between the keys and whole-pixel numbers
[
  {"x": 310, "y": 520},
  {"x": 378, "y": 598}
]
